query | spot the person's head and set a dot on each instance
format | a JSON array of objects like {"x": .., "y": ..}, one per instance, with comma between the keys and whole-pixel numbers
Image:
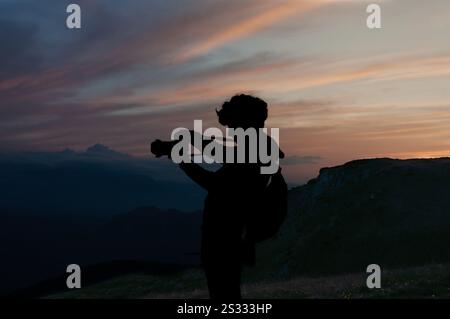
[{"x": 243, "y": 111}]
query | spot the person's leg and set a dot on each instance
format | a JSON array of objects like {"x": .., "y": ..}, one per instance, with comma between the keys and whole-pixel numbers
[
  {"x": 222, "y": 265},
  {"x": 224, "y": 281},
  {"x": 212, "y": 282},
  {"x": 232, "y": 282}
]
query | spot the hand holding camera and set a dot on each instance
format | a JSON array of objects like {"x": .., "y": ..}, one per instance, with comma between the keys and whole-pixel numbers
[{"x": 160, "y": 148}]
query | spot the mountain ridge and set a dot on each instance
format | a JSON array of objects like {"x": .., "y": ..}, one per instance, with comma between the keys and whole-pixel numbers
[{"x": 386, "y": 211}]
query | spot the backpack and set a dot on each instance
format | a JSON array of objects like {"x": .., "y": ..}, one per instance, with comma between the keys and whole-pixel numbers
[{"x": 265, "y": 221}]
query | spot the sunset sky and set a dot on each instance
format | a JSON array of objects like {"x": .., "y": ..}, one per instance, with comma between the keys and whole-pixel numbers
[{"x": 138, "y": 69}]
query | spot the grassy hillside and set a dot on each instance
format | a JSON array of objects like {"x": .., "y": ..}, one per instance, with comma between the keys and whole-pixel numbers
[{"x": 422, "y": 282}]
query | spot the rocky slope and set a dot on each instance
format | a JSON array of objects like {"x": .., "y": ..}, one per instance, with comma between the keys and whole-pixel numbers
[{"x": 384, "y": 211}]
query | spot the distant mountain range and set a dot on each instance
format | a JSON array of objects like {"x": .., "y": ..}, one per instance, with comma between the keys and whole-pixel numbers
[{"x": 98, "y": 181}]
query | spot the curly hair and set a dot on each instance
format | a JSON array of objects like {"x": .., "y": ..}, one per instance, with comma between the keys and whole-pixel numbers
[{"x": 243, "y": 111}]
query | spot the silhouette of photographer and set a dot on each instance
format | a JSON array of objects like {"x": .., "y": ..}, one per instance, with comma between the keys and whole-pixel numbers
[{"x": 235, "y": 196}]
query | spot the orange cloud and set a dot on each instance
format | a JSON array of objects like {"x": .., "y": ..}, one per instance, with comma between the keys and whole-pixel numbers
[
  {"x": 250, "y": 25},
  {"x": 275, "y": 77}
]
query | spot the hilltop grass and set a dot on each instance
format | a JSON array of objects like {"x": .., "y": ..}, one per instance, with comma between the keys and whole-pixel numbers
[{"x": 431, "y": 281}]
